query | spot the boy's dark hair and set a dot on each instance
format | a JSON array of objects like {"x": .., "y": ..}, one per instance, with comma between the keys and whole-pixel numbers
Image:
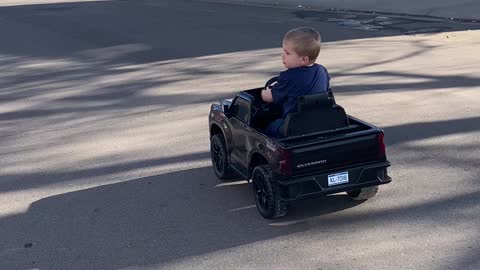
[{"x": 306, "y": 42}]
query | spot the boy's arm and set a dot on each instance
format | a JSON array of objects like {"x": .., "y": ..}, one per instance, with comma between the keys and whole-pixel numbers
[
  {"x": 267, "y": 95},
  {"x": 278, "y": 93}
]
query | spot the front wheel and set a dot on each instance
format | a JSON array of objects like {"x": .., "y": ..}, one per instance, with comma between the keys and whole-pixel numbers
[
  {"x": 218, "y": 153},
  {"x": 363, "y": 193},
  {"x": 266, "y": 193}
]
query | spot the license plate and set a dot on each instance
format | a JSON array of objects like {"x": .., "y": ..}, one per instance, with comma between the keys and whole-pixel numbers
[{"x": 337, "y": 179}]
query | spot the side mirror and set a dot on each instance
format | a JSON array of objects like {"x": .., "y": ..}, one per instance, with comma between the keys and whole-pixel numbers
[{"x": 225, "y": 106}]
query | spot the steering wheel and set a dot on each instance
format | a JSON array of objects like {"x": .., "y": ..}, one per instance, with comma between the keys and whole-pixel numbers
[{"x": 270, "y": 83}]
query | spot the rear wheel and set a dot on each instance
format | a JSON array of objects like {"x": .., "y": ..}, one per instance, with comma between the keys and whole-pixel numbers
[
  {"x": 266, "y": 193},
  {"x": 363, "y": 193},
  {"x": 218, "y": 153}
]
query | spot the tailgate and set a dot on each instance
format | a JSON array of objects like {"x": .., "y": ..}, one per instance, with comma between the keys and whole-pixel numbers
[{"x": 335, "y": 154}]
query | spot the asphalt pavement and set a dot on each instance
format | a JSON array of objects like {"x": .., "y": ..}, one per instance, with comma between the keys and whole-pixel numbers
[
  {"x": 104, "y": 144},
  {"x": 454, "y": 10}
]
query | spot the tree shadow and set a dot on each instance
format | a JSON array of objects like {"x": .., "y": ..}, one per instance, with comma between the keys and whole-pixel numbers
[
  {"x": 11, "y": 182},
  {"x": 127, "y": 53},
  {"x": 424, "y": 130},
  {"x": 430, "y": 82},
  {"x": 395, "y": 135}
]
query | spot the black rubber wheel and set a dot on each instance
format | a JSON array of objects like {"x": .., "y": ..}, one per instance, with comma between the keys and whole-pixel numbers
[
  {"x": 266, "y": 194},
  {"x": 363, "y": 193},
  {"x": 218, "y": 153}
]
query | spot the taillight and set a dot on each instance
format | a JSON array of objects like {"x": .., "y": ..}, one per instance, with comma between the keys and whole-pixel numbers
[
  {"x": 285, "y": 162},
  {"x": 381, "y": 146}
]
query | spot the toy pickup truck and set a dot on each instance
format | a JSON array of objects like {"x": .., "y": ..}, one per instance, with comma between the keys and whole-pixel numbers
[{"x": 323, "y": 151}]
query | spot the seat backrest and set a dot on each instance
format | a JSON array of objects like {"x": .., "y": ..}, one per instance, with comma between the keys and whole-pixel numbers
[{"x": 315, "y": 113}]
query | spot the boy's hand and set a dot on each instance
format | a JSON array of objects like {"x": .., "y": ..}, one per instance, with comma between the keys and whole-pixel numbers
[{"x": 267, "y": 95}]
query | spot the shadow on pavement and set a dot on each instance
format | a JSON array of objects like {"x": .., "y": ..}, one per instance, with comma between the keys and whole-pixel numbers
[
  {"x": 418, "y": 131},
  {"x": 394, "y": 135},
  {"x": 144, "y": 221},
  {"x": 87, "y": 47},
  {"x": 106, "y": 57},
  {"x": 156, "y": 220},
  {"x": 155, "y": 30}
]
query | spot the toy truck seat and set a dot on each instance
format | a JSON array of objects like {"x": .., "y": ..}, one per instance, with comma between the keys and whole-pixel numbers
[{"x": 315, "y": 113}]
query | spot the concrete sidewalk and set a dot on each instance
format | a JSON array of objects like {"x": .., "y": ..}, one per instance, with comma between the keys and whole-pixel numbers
[{"x": 458, "y": 9}]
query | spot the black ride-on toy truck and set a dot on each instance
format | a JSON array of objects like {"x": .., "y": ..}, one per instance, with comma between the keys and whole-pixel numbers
[{"x": 323, "y": 151}]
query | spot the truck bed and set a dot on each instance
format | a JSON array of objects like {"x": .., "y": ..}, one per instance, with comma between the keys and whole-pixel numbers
[
  {"x": 330, "y": 150},
  {"x": 356, "y": 128}
]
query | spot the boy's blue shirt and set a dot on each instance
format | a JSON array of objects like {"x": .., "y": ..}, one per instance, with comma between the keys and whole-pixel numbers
[{"x": 296, "y": 82}]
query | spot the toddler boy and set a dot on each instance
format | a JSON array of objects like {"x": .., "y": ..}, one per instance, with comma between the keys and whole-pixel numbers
[{"x": 303, "y": 76}]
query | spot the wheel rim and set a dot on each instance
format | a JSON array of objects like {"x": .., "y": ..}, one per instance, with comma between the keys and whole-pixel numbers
[
  {"x": 217, "y": 157},
  {"x": 261, "y": 195}
]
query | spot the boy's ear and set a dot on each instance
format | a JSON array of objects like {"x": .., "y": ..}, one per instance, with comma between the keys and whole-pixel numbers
[{"x": 305, "y": 59}]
